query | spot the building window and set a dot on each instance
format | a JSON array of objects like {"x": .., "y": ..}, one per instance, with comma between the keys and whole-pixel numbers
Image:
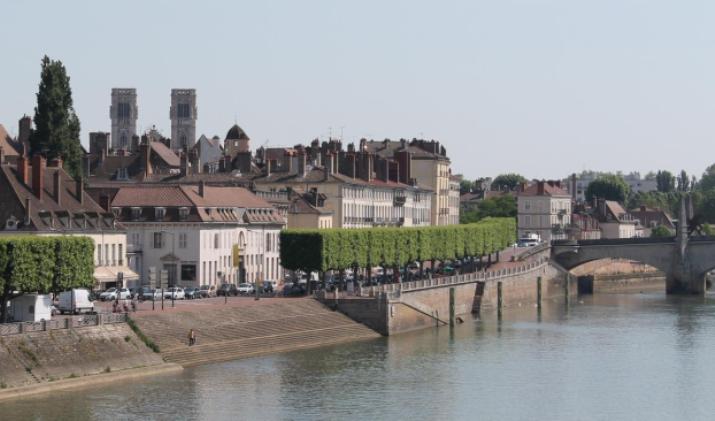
[
  {"x": 159, "y": 213},
  {"x": 217, "y": 241},
  {"x": 121, "y": 254},
  {"x": 188, "y": 272},
  {"x": 99, "y": 255},
  {"x": 183, "y": 213},
  {"x": 182, "y": 240},
  {"x": 183, "y": 111},
  {"x": 106, "y": 255},
  {"x": 158, "y": 240},
  {"x": 123, "y": 111}
]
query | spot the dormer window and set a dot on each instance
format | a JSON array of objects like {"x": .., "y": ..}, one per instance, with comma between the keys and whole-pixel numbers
[
  {"x": 136, "y": 213},
  {"x": 46, "y": 218},
  {"x": 159, "y": 213},
  {"x": 183, "y": 213},
  {"x": 117, "y": 211},
  {"x": 64, "y": 218}
]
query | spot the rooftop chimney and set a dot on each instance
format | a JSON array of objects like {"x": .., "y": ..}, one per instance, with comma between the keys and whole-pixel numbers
[
  {"x": 57, "y": 187},
  {"x": 301, "y": 164},
  {"x": 38, "y": 174},
  {"x": 87, "y": 165},
  {"x": 540, "y": 188},
  {"x": 201, "y": 188},
  {"x": 146, "y": 153},
  {"x": 268, "y": 168},
  {"x": 23, "y": 169},
  {"x": 184, "y": 167},
  {"x": 79, "y": 186},
  {"x": 28, "y": 209},
  {"x": 24, "y": 135},
  {"x": 55, "y": 163}
]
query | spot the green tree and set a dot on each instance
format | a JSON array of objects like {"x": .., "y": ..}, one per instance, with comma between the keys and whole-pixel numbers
[
  {"x": 57, "y": 126},
  {"x": 665, "y": 181},
  {"x": 466, "y": 186},
  {"x": 683, "y": 181},
  {"x": 706, "y": 206},
  {"x": 660, "y": 232},
  {"x": 707, "y": 181},
  {"x": 507, "y": 182},
  {"x": 609, "y": 187}
]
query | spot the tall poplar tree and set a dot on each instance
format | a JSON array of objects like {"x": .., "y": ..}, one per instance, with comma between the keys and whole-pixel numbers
[{"x": 57, "y": 127}]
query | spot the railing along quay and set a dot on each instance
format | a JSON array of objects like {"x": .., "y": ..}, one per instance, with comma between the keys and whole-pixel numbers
[
  {"x": 482, "y": 276},
  {"x": 7, "y": 329}
]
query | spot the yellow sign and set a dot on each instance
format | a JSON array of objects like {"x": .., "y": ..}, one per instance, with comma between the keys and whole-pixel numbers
[{"x": 236, "y": 255}]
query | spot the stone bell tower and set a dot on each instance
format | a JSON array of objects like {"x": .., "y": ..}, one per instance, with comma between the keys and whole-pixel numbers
[
  {"x": 183, "y": 119},
  {"x": 124, "y": 113}
]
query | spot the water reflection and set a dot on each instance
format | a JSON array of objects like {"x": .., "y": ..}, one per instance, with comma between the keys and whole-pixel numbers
[{"x": 610, "y": 356}]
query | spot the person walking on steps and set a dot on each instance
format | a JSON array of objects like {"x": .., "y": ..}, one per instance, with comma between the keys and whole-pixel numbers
[{"x": 192, "y": 337}]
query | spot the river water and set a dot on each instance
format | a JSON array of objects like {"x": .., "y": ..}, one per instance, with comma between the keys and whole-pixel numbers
[{"x": 604, "y": 357}]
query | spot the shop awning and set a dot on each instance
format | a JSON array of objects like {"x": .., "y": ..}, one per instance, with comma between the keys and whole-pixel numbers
[{"x": 110, "y": 273}]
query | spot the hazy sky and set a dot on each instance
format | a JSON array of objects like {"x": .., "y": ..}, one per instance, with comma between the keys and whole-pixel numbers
[{"x": 540, "y": 87}]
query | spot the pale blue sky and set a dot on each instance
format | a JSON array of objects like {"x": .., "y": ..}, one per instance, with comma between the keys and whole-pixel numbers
[{"x": 540, "y": 87}]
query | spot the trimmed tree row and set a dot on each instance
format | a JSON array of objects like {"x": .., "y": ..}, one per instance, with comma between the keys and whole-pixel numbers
[
  {"x": 43, "y": 264},
  {"x": 339, "y": 249}
]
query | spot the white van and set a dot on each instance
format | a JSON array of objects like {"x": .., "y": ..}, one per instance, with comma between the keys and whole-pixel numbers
[{"x": 75, "y": 301}]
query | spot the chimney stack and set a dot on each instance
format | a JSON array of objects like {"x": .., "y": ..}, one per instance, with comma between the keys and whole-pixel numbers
[
  {"x": 24, "y": 135},
  {"x": 2, "y": 155},
  {"x": 184, "y": 166},
  {"x": 28, "y": 209},
  {"x": 38, "y": 174},
  {"x": 146, "y": 153},
  {"x": 540, "y": 188},
  {"x": 201, "y": 188},
  {"x": 57, "y": 190},
  {"x": 79, "y": 186},
  {"x": 301, "y": 164},
  {"x": 268, "y": 168},
  {"x": 55, "y": 163},
  {"x": 23, "y": 169}
]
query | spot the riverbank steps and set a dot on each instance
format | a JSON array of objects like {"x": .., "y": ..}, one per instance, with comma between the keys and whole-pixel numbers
[
  {"x": 239, "y": 332},
  {"x": 43, "y": 358}
]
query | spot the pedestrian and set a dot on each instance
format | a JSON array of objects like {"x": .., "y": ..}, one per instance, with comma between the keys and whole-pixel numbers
[{"x": 192, "y": 337}]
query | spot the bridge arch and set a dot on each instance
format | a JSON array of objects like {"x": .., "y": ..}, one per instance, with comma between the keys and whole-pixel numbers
[{"x": 656, "y": 254}]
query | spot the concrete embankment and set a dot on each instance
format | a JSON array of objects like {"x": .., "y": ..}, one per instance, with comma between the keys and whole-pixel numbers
[
  {"x": 38, "y": 362},
  {"x": 239, "y": 332}
]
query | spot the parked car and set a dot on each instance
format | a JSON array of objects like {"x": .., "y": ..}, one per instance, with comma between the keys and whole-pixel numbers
[
  {"x": 75, "y": 301},
  {"x": 192, "y": 293},
  {"x": 151, "y": 294},
  {"x": 246, "y": 289},
  {"x": 174, "y": 293},
  {"x": 115, "y": 294},
  {"x": 207, "y": 291},
  {"x": 227, "y": 289},
  {"x": 269, "y": 286},
  {"x": 293, "y": 289}
]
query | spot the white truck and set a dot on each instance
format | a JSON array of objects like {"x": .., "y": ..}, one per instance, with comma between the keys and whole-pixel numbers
[{"x": 75, "y": 301}]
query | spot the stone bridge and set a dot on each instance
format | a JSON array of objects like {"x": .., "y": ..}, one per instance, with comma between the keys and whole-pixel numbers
[{"x": 684, "y": 260}]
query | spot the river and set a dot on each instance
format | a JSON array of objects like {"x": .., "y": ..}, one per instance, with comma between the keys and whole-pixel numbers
[{"x": 604, "y": 357}]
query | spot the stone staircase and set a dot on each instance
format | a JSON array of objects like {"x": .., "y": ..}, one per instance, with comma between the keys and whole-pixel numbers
[{"x": 227, "y": 333}]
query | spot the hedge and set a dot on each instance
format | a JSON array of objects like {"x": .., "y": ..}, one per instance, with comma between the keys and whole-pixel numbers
[{"x": 337, "y": 249}]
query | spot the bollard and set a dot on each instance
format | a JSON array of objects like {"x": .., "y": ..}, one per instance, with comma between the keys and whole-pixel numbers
[
  {"x": 538, "y": 292},
  {"x": 499, "y": 297},
  {"x": 451, "y": 307},
  {"x": 566, "y": 287}
]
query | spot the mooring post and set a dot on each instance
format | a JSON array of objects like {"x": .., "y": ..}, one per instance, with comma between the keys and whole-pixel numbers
[
  {"x": 499, "y": 298},
  {"x": 538, "y": 292},
  {"x": 567, "y": 287},
  {"x": 452, "y": 315}
]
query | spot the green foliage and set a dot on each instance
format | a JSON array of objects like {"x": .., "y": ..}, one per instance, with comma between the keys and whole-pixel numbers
[
  {"x": 665, "y": 181},
  {"x": 683, "y": 181},
  {"x": 56, "y": 124},
  {"x": 660, "y": 232},
  {"x": 669, "y": 202},
  {"x": 609, "y": 187},
  {"x": 707, "y": 182},
  {"x": 147, "y": 341},
  {"x": 43, "y": 264},
  {"x": 507, "y": 182},
  {"x": 500, "y": 207},
  {"x": 706, "y": 206},
  {"x": 337, "y": 249}
]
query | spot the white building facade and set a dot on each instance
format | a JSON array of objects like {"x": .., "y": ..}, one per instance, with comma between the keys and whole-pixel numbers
[{"x": 544, "y": 209}]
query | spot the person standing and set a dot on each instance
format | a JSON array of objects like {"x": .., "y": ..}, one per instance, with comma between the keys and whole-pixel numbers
[{"x": 192, "y": 337}]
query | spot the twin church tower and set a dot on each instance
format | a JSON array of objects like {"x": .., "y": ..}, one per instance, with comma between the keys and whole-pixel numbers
[{"x": 124, "y": 112}]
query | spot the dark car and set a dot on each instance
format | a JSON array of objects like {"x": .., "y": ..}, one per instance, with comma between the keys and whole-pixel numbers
[
  {"x": 192, "y": 293},
  {"x": 292, "y": 290},
  {"x": 227, "y": 289}
]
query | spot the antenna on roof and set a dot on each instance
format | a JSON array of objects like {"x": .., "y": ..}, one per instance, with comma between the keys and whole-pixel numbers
[{"x": 235, "y": 118}]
